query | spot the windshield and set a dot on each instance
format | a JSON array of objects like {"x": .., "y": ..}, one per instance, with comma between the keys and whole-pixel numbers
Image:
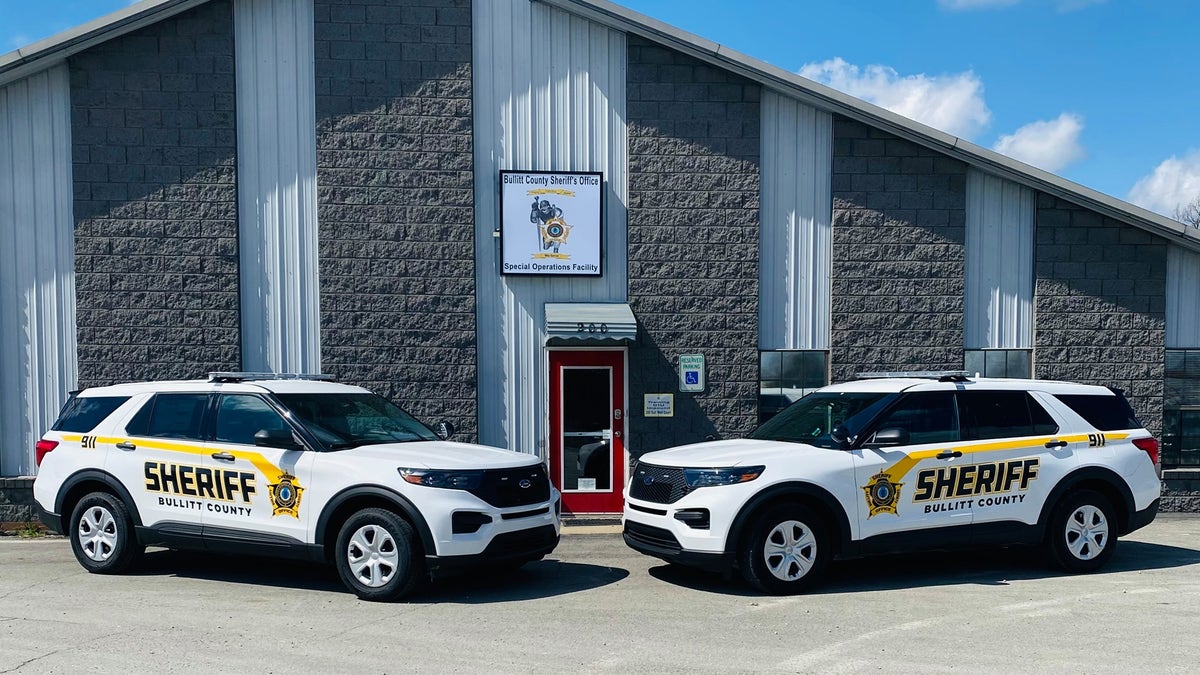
[
  {"x": 350, "y": 420},
  {"x": 812, "y": 418}
]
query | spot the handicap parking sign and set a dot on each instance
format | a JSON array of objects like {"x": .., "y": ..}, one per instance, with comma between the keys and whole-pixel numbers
[{"x": 691, "y": 372}]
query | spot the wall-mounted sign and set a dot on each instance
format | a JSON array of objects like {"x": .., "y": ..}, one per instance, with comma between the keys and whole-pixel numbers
[
  {"x": 658, "y": 405},
  {"x": 691, "y": 372},
  {"x": 550, "y": 223}
]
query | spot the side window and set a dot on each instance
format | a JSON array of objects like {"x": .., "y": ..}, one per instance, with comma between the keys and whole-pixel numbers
[
  {"x": 1002, "y": 414},
  {"x": 928, "y": 417},
  {"x": 240, "y": 416},
  {"x": 1106, "y": 413},
  {"x": 83, "y": 414},
  {"x": 170, "y": 416}
]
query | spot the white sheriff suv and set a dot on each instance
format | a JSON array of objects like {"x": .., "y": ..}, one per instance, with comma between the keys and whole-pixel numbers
[
  {"x": 897, "y": 463},
  {"x": 293, "y": 466}
]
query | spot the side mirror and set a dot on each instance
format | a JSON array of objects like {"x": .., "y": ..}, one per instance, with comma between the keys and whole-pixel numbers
[
  {"x": 276, "y": 438},
  {"x": 444, "y": 430},
  {"x": 888, "y": 437},
  {"x": 839, "y": 436}
]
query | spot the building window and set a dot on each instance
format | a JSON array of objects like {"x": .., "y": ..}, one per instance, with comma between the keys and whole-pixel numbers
[
  {"x": 999, "y": 362},
  {"x": 785, "y": 376},
  {"x": 1181, "y": 409}
]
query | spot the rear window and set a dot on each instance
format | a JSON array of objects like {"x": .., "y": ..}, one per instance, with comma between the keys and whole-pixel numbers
[
  {"x": 1106, "y": 413},
  {"x": 83, "y": 414},
  {"x": 1003, "y": 414}
]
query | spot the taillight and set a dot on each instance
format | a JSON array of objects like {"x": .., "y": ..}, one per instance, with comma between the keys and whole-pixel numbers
[
  {"x": 44, "y": 446},
  {"x": 1148, "y": 446}
]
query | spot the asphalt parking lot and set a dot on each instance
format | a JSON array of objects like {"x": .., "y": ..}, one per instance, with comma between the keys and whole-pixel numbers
[{"x": 596, "y": 606}]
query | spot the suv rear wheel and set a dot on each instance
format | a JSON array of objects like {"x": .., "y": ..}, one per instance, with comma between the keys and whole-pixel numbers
[
  {"x": 1083, "y": 531},
  {"x": 375, "y": 556},
  {"x": 785, "y": 550},
  {"x": 102, "y": 535}
]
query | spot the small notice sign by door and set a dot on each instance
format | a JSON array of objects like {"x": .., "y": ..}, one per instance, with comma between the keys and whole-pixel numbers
[{"x": 658, "y": 405}]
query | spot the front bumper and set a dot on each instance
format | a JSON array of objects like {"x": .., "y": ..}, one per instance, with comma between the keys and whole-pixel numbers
[
  {"x": 662, "y": 544},
  {"x": 504, "y": 549}
]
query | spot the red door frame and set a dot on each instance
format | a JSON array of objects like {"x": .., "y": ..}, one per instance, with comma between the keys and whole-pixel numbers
[{"x": 610, "y": 501}]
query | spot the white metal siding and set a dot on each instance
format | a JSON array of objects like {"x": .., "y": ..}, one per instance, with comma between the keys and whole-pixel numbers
[
  {"x": 37, "y": 263},
  {"x": 549, "y": 94},
  {"x": 999, "y": 274},
  {"x": 796, "y": 229},
  {"x": 1183, "y": 298},
  {"x": 277, "y": 185}
]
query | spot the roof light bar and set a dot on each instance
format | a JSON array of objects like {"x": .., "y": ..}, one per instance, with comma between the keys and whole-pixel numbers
[{"x": 248, "y": 376}]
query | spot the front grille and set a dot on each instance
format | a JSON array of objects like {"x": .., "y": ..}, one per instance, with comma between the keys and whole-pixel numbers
[
  {"x": 651, "y": 536},
  {"x": 658, "y": 484},
  {"x": 502, "y": 487}
]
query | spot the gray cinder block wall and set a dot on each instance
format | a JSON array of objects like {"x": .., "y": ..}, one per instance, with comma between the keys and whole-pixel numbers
[
  {"x": 693, "y": 243},
  {"x": 154, "y": 154},
  {"x": 395, "y": 203},
  {"x": 899, "y": 227},
  {"x": 1100, "y": 305}
]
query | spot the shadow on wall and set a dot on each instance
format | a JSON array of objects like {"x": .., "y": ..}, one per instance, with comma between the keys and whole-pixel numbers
[
  {"x": 154, "y": 167},
  {"x": 651, "y": 372},
  {"x": 395, "y": 204}
]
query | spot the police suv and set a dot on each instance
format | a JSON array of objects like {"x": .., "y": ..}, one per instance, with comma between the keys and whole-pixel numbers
[
  {"x": 295, "y": 466},
  {"x": 904, "y": 462}
]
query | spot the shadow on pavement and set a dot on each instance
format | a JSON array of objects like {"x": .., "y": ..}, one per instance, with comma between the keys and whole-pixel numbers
[
  {"x": 542, "y": 579},
  {"x": 988, "y": 567}
]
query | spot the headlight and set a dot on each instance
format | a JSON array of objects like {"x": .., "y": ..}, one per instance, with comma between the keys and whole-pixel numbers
[
  {"x": 455, "y": 480},
  {"x": 697, "y": 478}
]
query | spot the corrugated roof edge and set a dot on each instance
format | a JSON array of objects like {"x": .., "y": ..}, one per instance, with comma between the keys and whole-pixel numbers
[
  {"x": 827, "y": 98},
  {"x": 45, "y": 53},
  {"x": 48, "y": 52}
]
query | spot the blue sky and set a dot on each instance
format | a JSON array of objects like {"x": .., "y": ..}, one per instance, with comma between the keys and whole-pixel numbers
[{"x": 1102, "y": 92}]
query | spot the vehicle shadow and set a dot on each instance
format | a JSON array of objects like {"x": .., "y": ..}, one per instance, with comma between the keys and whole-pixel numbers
[
  {"x": 542, "y": 579},
  {"x": 988, "y": 567}
]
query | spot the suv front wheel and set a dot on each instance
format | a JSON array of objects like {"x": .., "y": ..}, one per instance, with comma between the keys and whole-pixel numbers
[
  {"x": 785, "y": 550},
  {"x": 1083, "y": 531},
  {"x": 102, "y": 535},
  {"x": 375, "y": 556}
]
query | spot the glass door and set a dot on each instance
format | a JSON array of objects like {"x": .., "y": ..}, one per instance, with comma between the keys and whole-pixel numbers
[{"x": 587, "y": 449}]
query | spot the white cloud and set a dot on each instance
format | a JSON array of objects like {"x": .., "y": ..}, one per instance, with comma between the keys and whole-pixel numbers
[
  {"x": 1172, "y": 184},
  {"x": 1048, "y": 145},
  {"x": 956, "y": 5},
  {"x": 953, "y": 103}
]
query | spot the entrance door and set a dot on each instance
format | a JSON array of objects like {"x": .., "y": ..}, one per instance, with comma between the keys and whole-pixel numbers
[{"x": 587, "y": 424}]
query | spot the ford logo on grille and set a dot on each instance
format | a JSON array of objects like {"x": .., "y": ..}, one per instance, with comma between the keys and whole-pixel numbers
[
  {"x": 525, "y": 483},
  {"x": 647, "y": 479}
]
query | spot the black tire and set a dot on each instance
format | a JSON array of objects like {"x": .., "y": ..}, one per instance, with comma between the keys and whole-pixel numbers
[
  {"x": 1083, "y": 531},
  {"x": 394, "y": 570},
  {"x": 785, "y": 550},
  {"x": 102, "y": 534}
]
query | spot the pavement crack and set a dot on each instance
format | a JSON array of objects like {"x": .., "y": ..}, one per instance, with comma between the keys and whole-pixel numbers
[{"x": 29, "y": 661}]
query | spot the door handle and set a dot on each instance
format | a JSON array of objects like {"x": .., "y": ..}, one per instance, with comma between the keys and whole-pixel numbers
[
  {"x": 947, "y": 454},
  {"x": 126, "y": 446},
  {"x": 1056, "y": 444},
  {"x": 223, "y": 456}
]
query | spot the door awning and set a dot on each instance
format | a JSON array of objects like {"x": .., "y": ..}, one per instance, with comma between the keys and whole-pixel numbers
[{"x": 608, "y": 321}]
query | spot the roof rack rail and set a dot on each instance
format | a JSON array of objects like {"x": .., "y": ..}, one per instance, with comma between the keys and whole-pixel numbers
[
  {"x": 939, "y": 375},
  {"x": 248, "y": 376}
]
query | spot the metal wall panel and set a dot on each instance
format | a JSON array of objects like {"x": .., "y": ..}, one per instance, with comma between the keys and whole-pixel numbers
[
  {"x": 37, "y": 263},
  {"x": 1183, "y": 298},
  {"x": 796, "y": 244},
  {"x": 549, "y": 94},
  {"x": 277, "y": 185},
  {"x": 999, "y": 274}
]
